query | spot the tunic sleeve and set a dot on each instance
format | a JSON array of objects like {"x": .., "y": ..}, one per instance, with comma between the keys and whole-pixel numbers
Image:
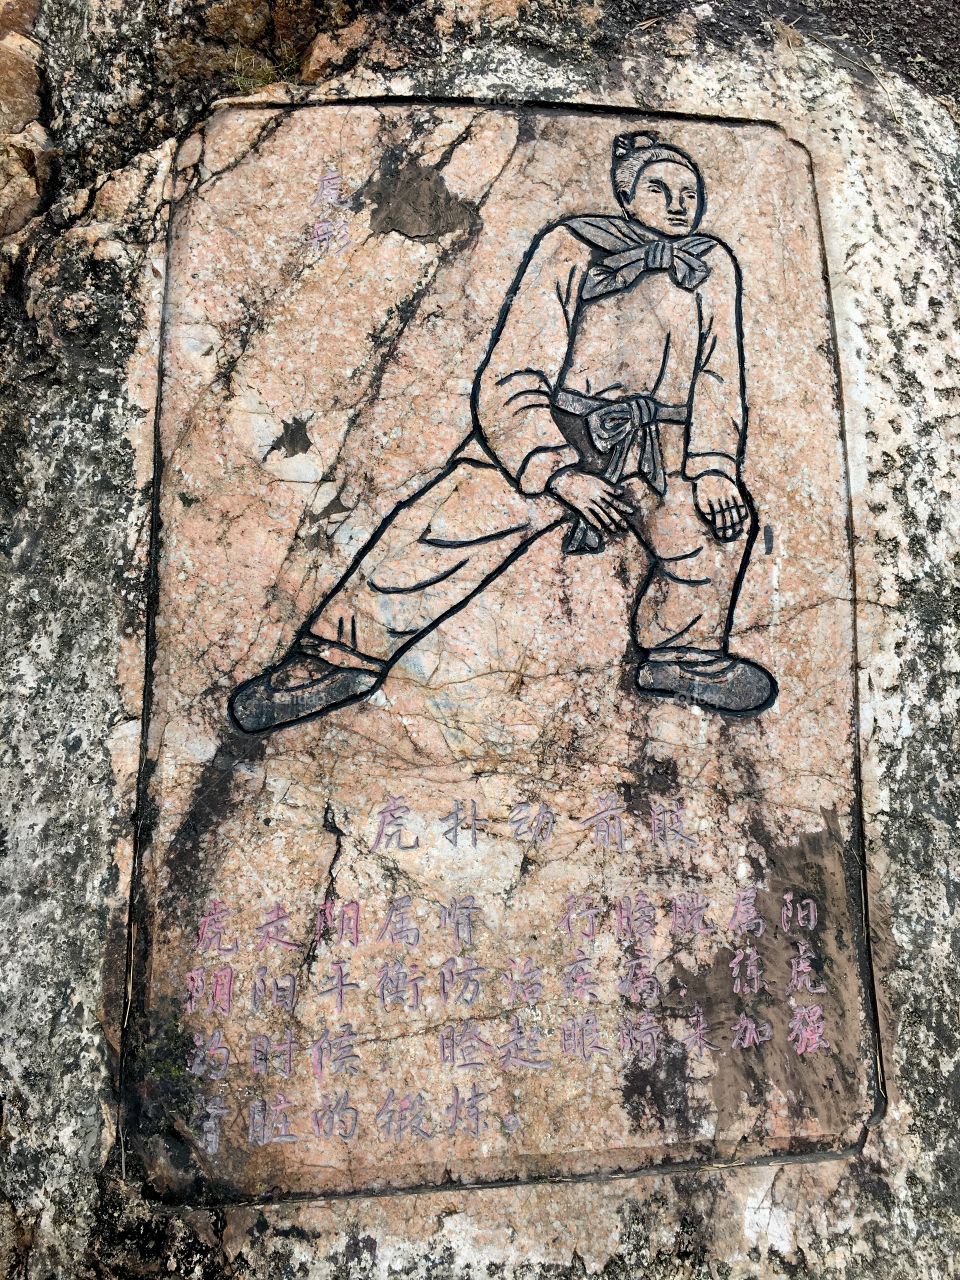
[
  {"x": 513, "y": 394},
  {"x": 718, "y": 409}
]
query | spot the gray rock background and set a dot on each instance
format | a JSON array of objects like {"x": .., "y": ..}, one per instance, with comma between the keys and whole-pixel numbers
[{"x": 94, "y": 96}]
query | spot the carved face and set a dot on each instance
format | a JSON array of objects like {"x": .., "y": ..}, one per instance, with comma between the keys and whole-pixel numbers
[{"x": 665, "y": 199}]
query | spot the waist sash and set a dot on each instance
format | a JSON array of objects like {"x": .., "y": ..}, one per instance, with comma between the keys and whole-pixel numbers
[{"x": 614, "y": 444}]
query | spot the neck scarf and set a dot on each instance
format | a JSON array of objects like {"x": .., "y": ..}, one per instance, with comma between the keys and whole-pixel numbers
[{"x": 631, "y": 251}]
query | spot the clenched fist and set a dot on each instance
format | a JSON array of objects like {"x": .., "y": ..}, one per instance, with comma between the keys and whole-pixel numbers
[{"x": 721, "y": 505}]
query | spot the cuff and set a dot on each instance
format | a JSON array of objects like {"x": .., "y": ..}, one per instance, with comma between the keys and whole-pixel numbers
[
  {"x": 538, "y": 467},
  {"x": 701, "y": 464}
]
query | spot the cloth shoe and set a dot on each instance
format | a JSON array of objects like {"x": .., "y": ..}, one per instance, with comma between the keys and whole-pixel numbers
[
  {"x": 718, "y": 682},
  {"x": 300, "y": 687}
]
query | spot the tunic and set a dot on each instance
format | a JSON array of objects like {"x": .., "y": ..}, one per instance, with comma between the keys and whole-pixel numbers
[{"x": 587, "y": 317}]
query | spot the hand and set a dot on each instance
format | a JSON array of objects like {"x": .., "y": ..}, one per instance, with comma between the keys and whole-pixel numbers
[
  {"x": 721, "y": 505},
  {"x": 601, "y": 503}
]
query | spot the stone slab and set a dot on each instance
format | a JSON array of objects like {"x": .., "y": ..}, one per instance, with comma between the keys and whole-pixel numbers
[{"x": 336, "y": 275}]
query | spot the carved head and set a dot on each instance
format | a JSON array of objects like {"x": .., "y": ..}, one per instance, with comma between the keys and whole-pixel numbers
[{"x": 657, "y": 185}]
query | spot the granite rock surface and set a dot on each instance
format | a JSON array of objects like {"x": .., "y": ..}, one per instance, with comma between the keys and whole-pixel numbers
[
  {"x": 84, "y": 290},
  {"x": 506, "y": 890}
]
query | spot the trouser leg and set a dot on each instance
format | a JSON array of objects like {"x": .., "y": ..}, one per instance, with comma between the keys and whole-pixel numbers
[
  {"x": 686, "y": 604},
  {"x": 429, "y": 558}
]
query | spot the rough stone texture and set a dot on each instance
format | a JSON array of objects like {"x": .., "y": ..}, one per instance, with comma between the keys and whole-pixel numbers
[
  {"x": 308, "y": 388},
  {"x": 24, "y": 150},
  {"x": 77, "y": 464}
]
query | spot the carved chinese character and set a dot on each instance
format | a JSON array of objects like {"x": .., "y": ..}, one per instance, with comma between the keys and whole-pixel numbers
[
  {"x": 580, "y": 1038},
  {"x": 390, "y": 832},
  {"x": 748, "y": 1033},
  {"x": 524, "y": 982},
  {"x": 338, "y": 980},
  {"x": 635, "y": 918},
  {"x": 211, "y": 1131},
  {"x": 746, "y": 969},
  {"x": 806, "y": 910},
  {"x": 521, "y": 1049},
  {"x": 640, "y": 1036},
  {"x": 459, "y": 917},
  {"x": 579, "y": 918},
  {"x": 328, "y": 194},
  {"x": 398, "y": 986},
  {"x": 606, "y": 824},
  {"x": 211, "y": 1056},
  {"x": 267, "y": 1056},
  {"x": 342, "y": 925},
  {"x": 335, "y": 1115},
  {"x": 330, "y": 234},
  {"x": 399, "y": 925},
  {"x": 696, "y": 1038},
  {"x": 403, "y": 1117},
  {"x": 537, "y": 827},
  {"x": 211, "y": 929},
  {"x": 273, "y": 930},
  {"x": 687, "y": 914},
  {"x": 335, "y": 1051},
  {"x": 807, "y": 914},
  {"x": 801, "y": 970},
  {"x": 282, "y": 991},
  {"x": 806, "y": 1030},
  {"x": 461, "y": 984},
  {"x": 460, "y": 819},
  {"x": 221, "y": 990},
  {"x": 745, "y": 917},
  {"x": 666, "y": 824},
  {"x": 269, "y": 1122},
  {"x": 638, "y": 984},
  {"x": 463, "y": 1046},
  {"x": 465, "y": 1112},
  {"x": 196, "y": 984},
  {"x": 578, "y": 979}
]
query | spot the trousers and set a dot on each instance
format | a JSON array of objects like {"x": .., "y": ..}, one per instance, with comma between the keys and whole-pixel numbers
[{"x": 443, "y": 546}]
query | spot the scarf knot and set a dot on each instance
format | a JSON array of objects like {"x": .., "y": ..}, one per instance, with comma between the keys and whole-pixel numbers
[{"x": 630, "y": 251}]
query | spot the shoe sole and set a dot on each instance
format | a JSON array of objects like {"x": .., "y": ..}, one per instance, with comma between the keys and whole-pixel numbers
[
  {"x": 286, "y": 722},
  {"x": 689, "y": 699}
]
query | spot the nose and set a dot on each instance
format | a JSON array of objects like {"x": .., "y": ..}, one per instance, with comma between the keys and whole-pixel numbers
[{"x": 676, "y": 203}]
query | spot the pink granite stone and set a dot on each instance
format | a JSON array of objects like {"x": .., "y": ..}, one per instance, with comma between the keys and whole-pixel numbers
[{"x": 336, "y": 275}]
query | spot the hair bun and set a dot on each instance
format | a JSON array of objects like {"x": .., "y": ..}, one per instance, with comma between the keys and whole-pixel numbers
[{"x": 624, "y": 143}]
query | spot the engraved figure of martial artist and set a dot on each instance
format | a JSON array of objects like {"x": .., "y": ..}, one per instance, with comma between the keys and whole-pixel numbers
[{"x": 612, "y": 401}]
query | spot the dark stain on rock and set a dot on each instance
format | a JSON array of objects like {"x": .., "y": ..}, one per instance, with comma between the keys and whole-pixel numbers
[
  {"x": 334, "y": 508},
  {"x": 526, "y": 127},
  {"x": 413, "y": 200},
  {"x": 293, "y": 439},
  {"x": 212, "y": 798},
  {"x": 135, "y": 1241},
  {"x": 356, "y": 1258},
  {"x": 315, "y": 533},
  {"x": 659, "y": 1089}
]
